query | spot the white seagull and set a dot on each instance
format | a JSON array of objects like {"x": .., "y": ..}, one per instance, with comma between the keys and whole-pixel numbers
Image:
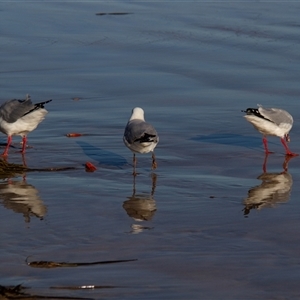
[
  {"x": 140, "y": 136},
  {"x": 271, "y": 121},
  {"x": 19, "y": 117}
]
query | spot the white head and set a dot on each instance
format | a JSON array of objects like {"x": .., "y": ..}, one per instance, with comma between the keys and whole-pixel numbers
[{"x": 137, "y": 114}]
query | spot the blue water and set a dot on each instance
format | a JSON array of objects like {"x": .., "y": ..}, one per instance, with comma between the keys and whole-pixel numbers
[{"x": 192, "y": 66}]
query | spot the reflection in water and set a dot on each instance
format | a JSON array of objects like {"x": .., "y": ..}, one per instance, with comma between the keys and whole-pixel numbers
[
  {"x": 141, "y": 207},
  {"x": 275, "y": 188},
  {"x": 23, "y": 198},
  {"x": 9, "y": 170}
]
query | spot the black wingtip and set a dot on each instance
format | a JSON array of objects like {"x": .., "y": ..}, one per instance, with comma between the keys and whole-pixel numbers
[
  {"x": 146, "y": 138},
  {"x": 251, "y": 111},
  {"x": 41, "y": 104},
  {"x": 38, "y": 106}
]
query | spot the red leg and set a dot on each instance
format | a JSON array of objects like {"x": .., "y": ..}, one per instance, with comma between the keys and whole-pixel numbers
[
  {"x": 9, "y": 139},
  {"x": 265, "y": 141},
  {"x": 24, "y": 160},
  {"x": 24, "y": 139},
  {"x": 154, "y": 164},
  {"x": 288, "y": 151},
  {"x": 134, "y": 165},
  {"x": 265, "y": 163},
  {"x": 286, "y": 161}
]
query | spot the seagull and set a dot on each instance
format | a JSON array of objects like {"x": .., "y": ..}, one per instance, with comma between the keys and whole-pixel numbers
[
  {"x": 19, "y": 117},
  {"x": 140, "y": 136},
  {"x": 271, "y": 121}
]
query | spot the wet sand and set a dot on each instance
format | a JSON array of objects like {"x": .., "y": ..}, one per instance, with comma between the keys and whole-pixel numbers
[{"x": 203, "y": 219}]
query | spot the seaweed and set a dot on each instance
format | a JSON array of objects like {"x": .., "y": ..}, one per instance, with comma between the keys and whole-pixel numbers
[{"x": 53, "y": 264}]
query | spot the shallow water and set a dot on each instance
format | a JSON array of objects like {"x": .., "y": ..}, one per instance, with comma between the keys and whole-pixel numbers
[{"x": 193, "y": 224}]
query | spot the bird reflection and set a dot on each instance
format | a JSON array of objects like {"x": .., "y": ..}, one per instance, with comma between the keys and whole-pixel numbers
[
  {"x": 141, "y": 207},
  {"x": 22, "y": 198},
  {"x": 275, "y": 188}
]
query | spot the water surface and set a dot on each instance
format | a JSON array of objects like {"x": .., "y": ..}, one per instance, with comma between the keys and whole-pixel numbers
[{"x": 192, "y": 67}]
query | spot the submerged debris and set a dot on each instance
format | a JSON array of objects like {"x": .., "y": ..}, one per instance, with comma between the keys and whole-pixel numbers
[
  {"x": 11, "y": 170},
  {"x": 53, "y": 264},
  {"x": 17, "y": 292},
  {"x": 89, "y": 167},
  {"x": 83, "y": 287},
  {"x": 114, "y": 14},
  {"x": 50, "y": 169},
  {"x": 10, "y": 292},
  {"x": 74, "y": 134}
]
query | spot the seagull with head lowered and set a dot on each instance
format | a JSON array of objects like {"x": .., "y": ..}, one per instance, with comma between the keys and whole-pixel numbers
[
  {"x": 140, "y": 136},
  {"x": 19, "y": 117},
  {"x": 271, "y": 121}
]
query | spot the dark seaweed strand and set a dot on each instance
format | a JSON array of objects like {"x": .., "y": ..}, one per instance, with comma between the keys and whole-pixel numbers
[
  {"x": 37, "y": 106},
  {"x": 114, "y": 13},
  {"x": 255, "y": 112}
]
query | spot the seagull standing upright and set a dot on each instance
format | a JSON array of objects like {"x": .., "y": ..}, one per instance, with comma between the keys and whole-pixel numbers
[
  {"x": 19, "y": 117},
  {"x": 271, "y": 121},
  {"x": 140, "y": 136}
]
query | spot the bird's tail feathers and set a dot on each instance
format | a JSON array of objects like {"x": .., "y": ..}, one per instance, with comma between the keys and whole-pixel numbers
[{"x": 146, "y": 138}]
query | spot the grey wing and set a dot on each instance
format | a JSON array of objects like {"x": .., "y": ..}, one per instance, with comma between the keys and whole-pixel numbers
[
  {"x": 137, "y": 129},
  {"x": 276, "y": 115},
  {"x": 13, "y": 110}
]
